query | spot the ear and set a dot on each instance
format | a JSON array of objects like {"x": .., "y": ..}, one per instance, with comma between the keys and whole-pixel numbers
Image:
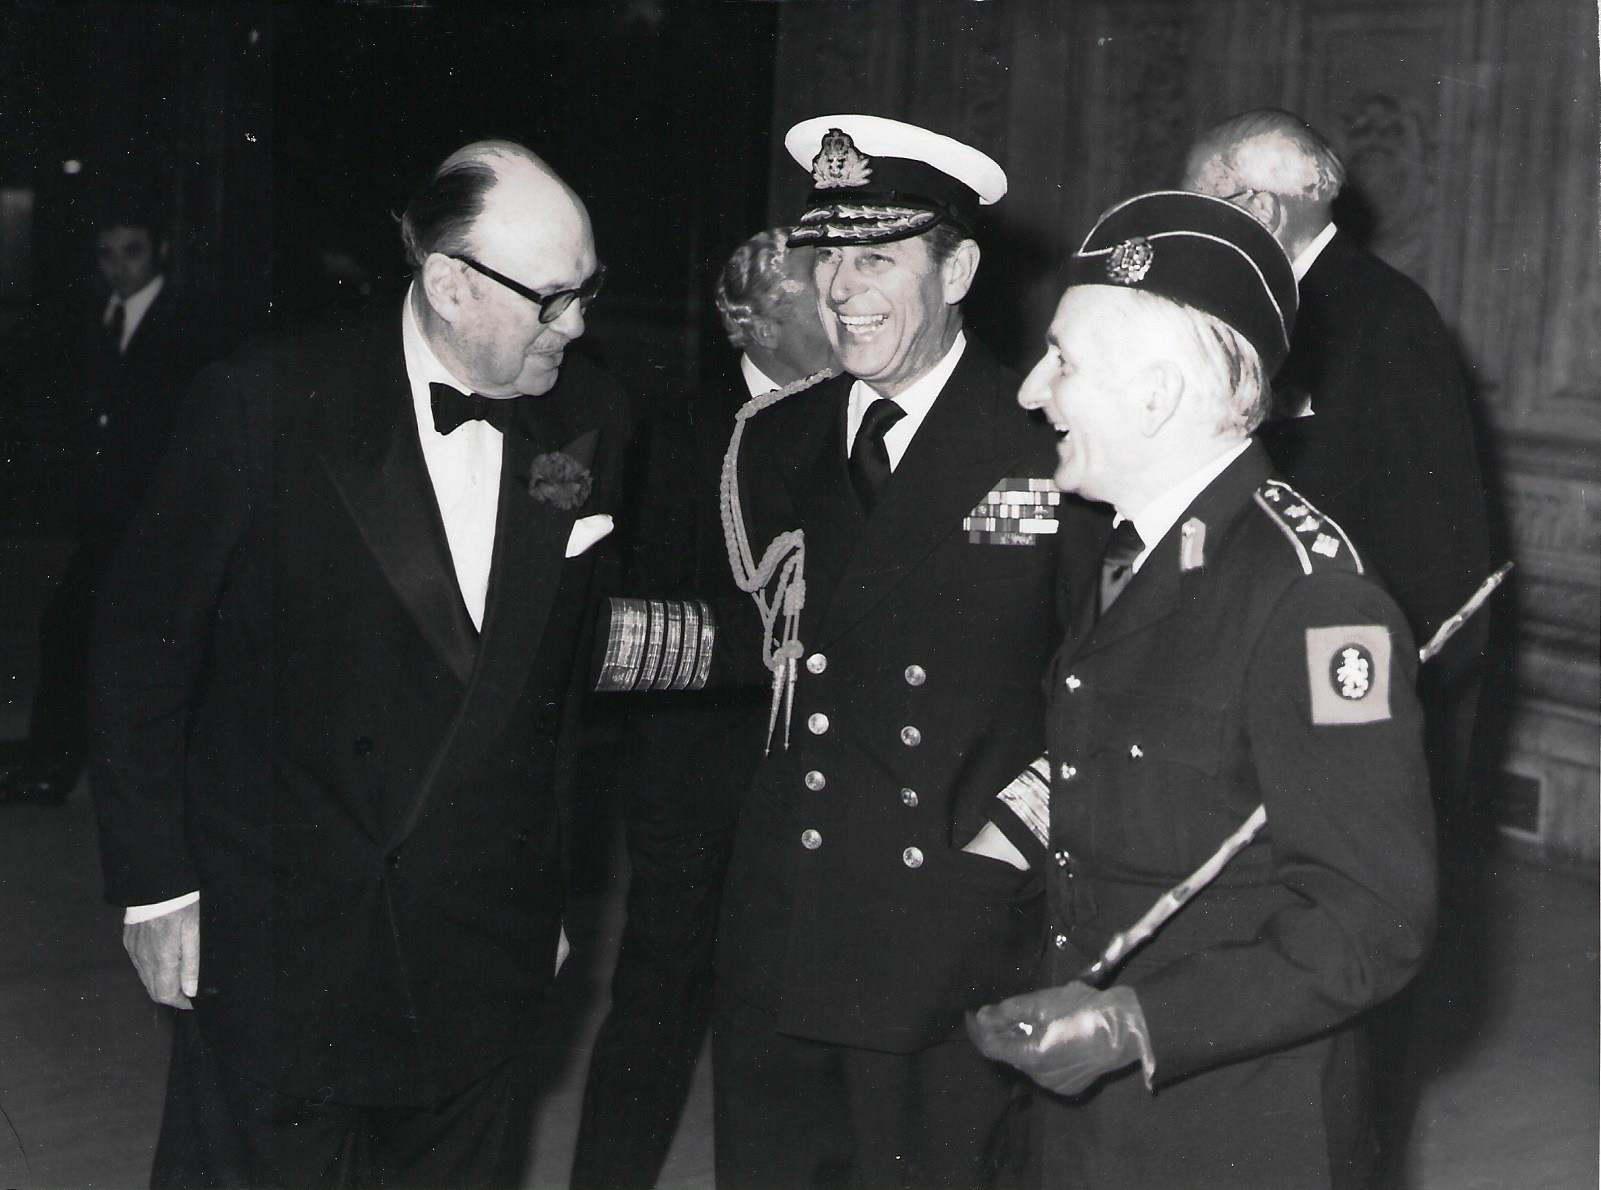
[
  {"x": 958, "y": 271},
  {"x": 1163, "y": 393},
  {"x": 764, "y": 331},
  {"x": 1267, "y": 209},
  {"x": 445, "y": 286}
]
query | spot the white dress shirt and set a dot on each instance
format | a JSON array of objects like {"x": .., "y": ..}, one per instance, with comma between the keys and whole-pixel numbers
[
  {"x": 1159, "y": 515},
  {"x": 915, "y": 401},
  {"x": 464, "y": 467},
  {"x": 1302, "y": 264},
  {"x": 756, "y": 380},
  {"x": 135, "y": 306}
]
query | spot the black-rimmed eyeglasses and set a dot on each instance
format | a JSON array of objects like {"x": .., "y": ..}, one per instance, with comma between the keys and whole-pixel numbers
[{"x": 551, "y": 305}]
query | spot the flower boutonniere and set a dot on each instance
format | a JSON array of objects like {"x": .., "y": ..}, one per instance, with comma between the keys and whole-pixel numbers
[{"x": 559, "y": 480}]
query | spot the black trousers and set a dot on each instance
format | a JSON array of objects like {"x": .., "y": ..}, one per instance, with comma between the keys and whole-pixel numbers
[
  {"x": 679, "y": 821},
  {"x": 221, "y": 1130},
  {"x": 793, "y": 1113}
]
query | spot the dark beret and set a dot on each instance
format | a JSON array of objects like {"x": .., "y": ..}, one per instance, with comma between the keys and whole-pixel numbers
[{"x": 1200, "y": 251}]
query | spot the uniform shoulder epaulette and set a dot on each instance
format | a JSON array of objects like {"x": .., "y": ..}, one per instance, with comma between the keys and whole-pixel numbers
[{"x": 1317, "y": 539}]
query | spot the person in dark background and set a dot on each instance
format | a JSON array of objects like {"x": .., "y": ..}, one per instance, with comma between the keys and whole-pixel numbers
[
  {"x": 1375, "y": 424},
  {"x": 695, "y": 752},
  {"x": 333, "y": 693},
  {"x": 128, "y": 372},
  {"x": 1376, "y": 419}
]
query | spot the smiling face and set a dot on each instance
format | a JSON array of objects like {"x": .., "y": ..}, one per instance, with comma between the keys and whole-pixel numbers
[
  {"x": 1087, "y": 385},
  {"x": 889, "y": 310},
  {"x": 535, "y": 231}
]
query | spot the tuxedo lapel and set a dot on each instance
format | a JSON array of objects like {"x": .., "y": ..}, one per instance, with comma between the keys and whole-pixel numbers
[
  {"x": 952, "y": 462},
  {"x": 525, "y": 572},
  {"x": 383, "y": 480}
]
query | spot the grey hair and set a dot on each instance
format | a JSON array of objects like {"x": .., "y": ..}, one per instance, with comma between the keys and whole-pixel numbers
[
  {"x": 1216, "y": 358},
  {"x": 755, "y": 284},
  {"x": 1274, "y": 151}
]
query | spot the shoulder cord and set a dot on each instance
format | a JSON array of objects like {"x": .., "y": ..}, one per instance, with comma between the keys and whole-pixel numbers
[{"x": 784, "y": 557}]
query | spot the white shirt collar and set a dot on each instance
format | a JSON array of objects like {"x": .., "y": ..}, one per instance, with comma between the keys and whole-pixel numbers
[
  {"x": 1160, "y": 515},
  {"x": 916, "y": 400},
  {"x": 756, "y": 380},
  {"x": 422, "y": 365},
  {"x": 1302, "y": 264},
  {"x": 135, "y": 306}
]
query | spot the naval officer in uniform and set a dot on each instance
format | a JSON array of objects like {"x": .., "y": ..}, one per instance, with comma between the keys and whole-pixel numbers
[
  {"x": 897, "y": 524},
  {"x": 1231, "y": 652}
]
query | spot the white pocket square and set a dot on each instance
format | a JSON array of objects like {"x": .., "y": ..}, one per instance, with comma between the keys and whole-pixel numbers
[{"x": 586, "y": 532}]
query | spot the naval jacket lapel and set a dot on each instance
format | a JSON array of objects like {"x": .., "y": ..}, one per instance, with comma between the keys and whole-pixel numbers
[
  {"x": 953, "y": 460},
  {"x": 382, "y": 478}
]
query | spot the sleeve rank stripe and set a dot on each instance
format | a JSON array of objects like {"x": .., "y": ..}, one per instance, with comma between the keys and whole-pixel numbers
[{"x": 1029, "y": 797}]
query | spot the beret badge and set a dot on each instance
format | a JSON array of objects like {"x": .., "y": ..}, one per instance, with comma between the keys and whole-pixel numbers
[
  {"x": 839, "y": 164},
  {"x": 1130, "y": 261}
]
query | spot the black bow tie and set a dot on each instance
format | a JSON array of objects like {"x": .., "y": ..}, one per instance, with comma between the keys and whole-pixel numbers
[{"x": 452, "y": 408}]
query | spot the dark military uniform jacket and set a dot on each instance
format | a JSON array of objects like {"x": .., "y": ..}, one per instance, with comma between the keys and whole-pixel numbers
[
  {"x": 851, "y": 913},
  {"x": 1250, "y": 661}
]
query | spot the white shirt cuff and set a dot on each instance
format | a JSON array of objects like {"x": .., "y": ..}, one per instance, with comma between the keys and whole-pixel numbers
[{"x": 135, "y": 914}]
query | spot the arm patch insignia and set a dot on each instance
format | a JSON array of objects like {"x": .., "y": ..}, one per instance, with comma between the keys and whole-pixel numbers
[{"x": 1348, "y": 674}]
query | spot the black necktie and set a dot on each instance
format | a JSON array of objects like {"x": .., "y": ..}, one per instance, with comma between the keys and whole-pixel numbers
[
  {"x": 114, "y": 325},
  {"x": 452, "y": 408},
  {"x": 1117, "y": 564},
  {"x": 869, "y": 463}
]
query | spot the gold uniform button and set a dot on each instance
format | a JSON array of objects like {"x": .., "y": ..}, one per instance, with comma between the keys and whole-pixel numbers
[
  {"x": 1068, "y": 772},
  {"x": 909, "y": 796},
  {"x": 1072, "y": 683},
  {"x": 811, "y": 840},
  {"x": 1060, "y": 940},
  {"x": 912, "y": 857},
  {"x": 815, "y": 780},
  {"x": 1061, "y": 859},
  {"x": 816, "y": 663},
  {"x": 910, "y": 736},
  {"x": 817, "y": 723},
  {"x": 915, "y": 675}
]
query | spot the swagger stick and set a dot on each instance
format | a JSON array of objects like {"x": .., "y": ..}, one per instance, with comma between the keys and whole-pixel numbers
[{"x": 1099, "y": 973}]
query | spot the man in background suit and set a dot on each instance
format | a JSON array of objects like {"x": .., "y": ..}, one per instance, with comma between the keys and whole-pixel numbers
[
  {"x": 133, "y": 363},
  {"x": 1375, "y": 424},
  {"x": 1375, "y": 418},
  {"x": 333, "y": 689},
  {"x": 696, "y": 752}
]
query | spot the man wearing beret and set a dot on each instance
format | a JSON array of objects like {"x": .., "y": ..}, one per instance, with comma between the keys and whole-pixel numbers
[
  {"x": 1231, "y": 652},
  {"x": 898, "y": 526}
]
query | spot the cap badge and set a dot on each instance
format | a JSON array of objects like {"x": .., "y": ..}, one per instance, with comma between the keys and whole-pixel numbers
[
  {"x": 838, "y": 164},
  {"x": 1130, "y": 261}
]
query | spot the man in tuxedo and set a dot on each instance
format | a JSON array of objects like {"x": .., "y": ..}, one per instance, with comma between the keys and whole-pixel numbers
[
  {"x": 696, "y": 752},
  {"x": 1375, "y": 420},
  {"x": 1228, "y": 650},
  {"x": 333, "y": 685},
  {"x": 134, "y": 361},
  {"x": 895, "y": 522}
]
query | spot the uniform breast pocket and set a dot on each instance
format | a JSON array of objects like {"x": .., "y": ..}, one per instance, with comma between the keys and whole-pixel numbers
[{"x": 1154, "y": 767}]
